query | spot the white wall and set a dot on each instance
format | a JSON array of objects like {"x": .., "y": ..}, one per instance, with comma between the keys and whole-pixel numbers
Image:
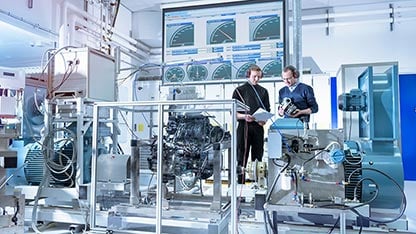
[
  {"x": 364, "y": 42},
  {"x": 147, "y": 27},
  {"x": 41, "y": 12},
  {"x": 123, "y": 25}
]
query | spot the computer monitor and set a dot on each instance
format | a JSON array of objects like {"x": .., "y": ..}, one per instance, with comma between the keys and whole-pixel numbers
[{"x": 218, "y": 42}]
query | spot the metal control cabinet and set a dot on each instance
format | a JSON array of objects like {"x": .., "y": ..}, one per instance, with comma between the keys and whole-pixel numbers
[{"x": 84, "y": 72}]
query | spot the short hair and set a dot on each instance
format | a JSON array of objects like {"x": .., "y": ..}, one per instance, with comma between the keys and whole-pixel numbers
[
  {"x": 293, "y": 69},
  {"x": 253, "y": 67}
]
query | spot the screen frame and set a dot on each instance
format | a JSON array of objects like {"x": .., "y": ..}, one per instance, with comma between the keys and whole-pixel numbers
[{"x": 167, "y": 10}]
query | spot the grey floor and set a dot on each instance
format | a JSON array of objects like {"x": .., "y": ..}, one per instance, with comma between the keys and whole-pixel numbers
[
  {"x": 257, "y": 228},
  {"x": 410, "y": 213},
  {"x": 410, "y": 191}
]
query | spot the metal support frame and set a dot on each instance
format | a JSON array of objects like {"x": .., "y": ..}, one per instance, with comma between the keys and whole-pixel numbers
[
  {"x": 283, "y": 209},
  {"x": 297, "y": 35},
  {"x": 221, "y": 223},
  {"x": 83, "y": 121},
  {"x": 216, "y": 202},
  {"x": 64, "y": 112}
]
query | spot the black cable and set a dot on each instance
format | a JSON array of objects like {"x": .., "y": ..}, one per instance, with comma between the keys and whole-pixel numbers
[
  {"x": 245, "y": 137},
  {"x": 333, "y": 226},
  {"x": 269, "y": 193},
  {"x": 117, "y": 6},
  {"x": 311, "y": 158},
  {"x": 374, "y": 196},
  {"x": 349, "y": 133},
  {"x": 361, "y": 224},
  {"x": 120, "y": 149},
  {"x": 268, "y": 222},
  {"x": 14, "y": 218},
  {"x": 404, "y": 201},
  {"x": 295, "y": 178},
  {"x": 353, "y": 209},
  {"x": 275, "y": 163}
]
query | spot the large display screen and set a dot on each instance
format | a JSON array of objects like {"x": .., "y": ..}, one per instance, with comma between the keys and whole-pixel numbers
[{"x": 218, "y": 42}]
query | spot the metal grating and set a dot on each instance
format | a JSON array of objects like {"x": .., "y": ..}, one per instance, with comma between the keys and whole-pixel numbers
[{"x": 349, "y": 168}]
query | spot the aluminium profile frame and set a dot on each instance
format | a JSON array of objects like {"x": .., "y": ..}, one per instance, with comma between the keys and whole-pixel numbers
[{"x": 233, "y": 107}]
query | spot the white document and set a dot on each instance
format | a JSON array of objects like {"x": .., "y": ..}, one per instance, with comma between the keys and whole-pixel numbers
[{"x": 262, "y": 115}]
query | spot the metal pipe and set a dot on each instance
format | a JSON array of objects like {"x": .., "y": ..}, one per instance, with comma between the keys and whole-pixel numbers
[
  {"x": 91, "y": 19},
  {"x": 286, "y": 42},
  {"x": 95, "y": 139},
  {"x": 297, "y": 35},
  {"x": 159, "y": 172},
  {"x": 233, "y": 170},
  {"x": 134, "y": 172}
]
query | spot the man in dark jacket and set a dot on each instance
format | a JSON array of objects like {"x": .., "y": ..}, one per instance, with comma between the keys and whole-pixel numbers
[{"x": 250, "y": 133}]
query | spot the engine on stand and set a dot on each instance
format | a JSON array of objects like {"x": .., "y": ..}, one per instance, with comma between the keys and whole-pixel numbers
[
  {"x": 187, "y": 148},
  {"x": 179, "y": 172}
]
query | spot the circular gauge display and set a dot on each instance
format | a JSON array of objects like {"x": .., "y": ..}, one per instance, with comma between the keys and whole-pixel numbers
[
  {"x": 222, "y": 72},
  {"x": 183, "y": 36},
  {"x": 272, "y": 69},
  {"x": 268, "y": 29},
  {"x": 197, "y": 72},
  {"x": 174, "y": 74},
  {"x": 223, "y": 33},
  {"x": 242, "y": 71}
]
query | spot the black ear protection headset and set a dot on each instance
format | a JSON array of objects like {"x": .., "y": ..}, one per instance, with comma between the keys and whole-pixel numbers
[
  {"x": 293, "y": 69},
  {"x": 254, "y": 67}
]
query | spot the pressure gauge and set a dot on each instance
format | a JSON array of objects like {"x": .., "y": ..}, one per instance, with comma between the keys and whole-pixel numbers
[
  {"x": 222, "y": 72},
  {"x": 174, "y": 74},
  {"x": 267, "y": 29},
  {"x": 272, "y": 69},
  {"x": 197, "y": 72},
  {"x": 223, "y": 33},
  {"x": 183, "y": 36}
]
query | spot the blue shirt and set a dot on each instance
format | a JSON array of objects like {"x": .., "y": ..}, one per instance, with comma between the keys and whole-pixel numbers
[{"x": 302, "y": 96}]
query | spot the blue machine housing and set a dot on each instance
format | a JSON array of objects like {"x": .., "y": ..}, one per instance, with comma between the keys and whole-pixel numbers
[
  {"x": 378, "y": 133},
  {"x": 286, "y": 123}
]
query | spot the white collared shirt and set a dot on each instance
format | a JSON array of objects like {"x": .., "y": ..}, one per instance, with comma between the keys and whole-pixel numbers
[{"x": 293, "y": 87}]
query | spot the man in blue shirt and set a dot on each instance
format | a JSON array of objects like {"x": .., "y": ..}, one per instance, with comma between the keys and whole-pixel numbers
[{"x": 300, "y": 95}]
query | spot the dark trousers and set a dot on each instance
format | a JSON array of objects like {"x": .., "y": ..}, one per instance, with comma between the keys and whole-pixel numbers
[{"x": 249, "y": 137}]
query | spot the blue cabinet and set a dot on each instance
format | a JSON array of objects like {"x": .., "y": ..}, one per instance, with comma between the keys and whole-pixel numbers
[{"x": 407, "y": 86}]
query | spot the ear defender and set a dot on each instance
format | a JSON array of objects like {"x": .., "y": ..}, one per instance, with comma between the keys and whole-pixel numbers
[
  {"x": 294, "y": 71},
  {"x": 248, "y": 73}
]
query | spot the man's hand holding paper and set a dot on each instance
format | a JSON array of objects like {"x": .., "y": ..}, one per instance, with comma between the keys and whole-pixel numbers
[{"x": 262, "y": 115}]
